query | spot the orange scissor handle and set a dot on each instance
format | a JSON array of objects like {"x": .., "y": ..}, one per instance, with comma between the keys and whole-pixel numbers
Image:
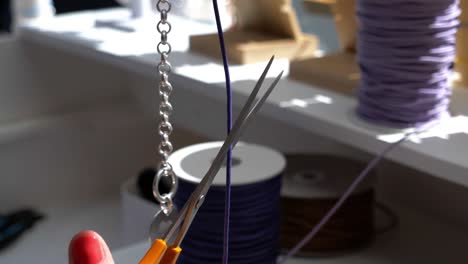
[
  {"x": 171, "y": 255},
  {"x": 155, "y": 253}
]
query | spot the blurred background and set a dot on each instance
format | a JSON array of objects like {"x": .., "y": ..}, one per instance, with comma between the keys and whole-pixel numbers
[{"x": 78, "y": 124}]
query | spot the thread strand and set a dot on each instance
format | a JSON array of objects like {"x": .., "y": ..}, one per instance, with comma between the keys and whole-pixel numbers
[
  {"x": 342, "y": 199},
  {"x": 227, "y": 210}
]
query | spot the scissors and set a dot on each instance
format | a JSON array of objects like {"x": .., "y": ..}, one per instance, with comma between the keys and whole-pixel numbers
[{"x": 159, "y": 252}]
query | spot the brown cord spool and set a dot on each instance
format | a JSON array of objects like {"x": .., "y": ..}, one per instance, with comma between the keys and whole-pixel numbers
[{"x": 311, "y": 186}]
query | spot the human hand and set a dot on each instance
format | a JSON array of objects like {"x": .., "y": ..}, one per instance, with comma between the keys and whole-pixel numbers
[{"x": 88, "y": 247}]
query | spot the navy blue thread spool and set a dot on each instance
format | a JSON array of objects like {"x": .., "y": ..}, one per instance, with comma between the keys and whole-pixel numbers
[{"x": 255, "y": 209}]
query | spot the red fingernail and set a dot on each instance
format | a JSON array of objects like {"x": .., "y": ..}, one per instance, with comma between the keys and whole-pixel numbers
[{"x": 87, "y": 248}]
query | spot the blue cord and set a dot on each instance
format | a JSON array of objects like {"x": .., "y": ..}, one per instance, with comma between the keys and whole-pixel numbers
[{"x": 227, "y": 206}]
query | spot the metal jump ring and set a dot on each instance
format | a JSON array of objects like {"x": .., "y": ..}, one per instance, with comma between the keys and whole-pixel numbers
[
  {"x": 164, "y": 23},
  {"x": 160, "y": 6},
  {"x": 169, "y": 48},
  {"x": 167, "y": 197},
  {"x": 166, "y": 88},
  {"x": 166, "y": 146},
  {"x": 164, "y": 67},
  {"x": 165, "y": 128},
  {"x": 165, "y": 108},
  {"x": 165, "y": 166}
]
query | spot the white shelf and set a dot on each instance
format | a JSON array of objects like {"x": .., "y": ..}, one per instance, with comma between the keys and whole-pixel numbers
[
  {"x": 419, "y": 239},
  {"x": 442, "y": 153}
]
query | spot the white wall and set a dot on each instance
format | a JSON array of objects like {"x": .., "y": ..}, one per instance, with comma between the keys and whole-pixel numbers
[
  {"x": 69, "y": 128},
  {"x": 60, "y": 138},
  {"x": 36, "y": 81}
]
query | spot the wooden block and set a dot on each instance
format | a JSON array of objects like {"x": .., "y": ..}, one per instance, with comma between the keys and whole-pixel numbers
[
  {"x": 344, "y": 12},
  {"x": 263, "y": 28},
  {"x": 462, "y": 70},
  {"x": 337, "y": 72},
  {"x": 323, "y": 7},
  {"x": 462, "y": 45},
  {"x": 346, "y": 23},
  {"x": 464, "y": 14},
  {"x": 250, "y": 47},
  {"x": 323, "y": 2},
  {"x": 276, "y": 17}
]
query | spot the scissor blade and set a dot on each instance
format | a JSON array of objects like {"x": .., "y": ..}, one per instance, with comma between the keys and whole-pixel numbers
[
  {"x": 204, "y": 185},
  {"x": 241, "y": 124},
  {"x": 255, "y": 90},
  {"x": 259, "y": 105},
  {"x": 191, "y": 207},
  {"x": 236, "y": 132},
  {"x": 218, "y": 161}
]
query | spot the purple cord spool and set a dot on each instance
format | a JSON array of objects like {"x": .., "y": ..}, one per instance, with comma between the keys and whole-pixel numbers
[
  {"x": 406, "y": 50},
  {"x": 255, "y": 208}
]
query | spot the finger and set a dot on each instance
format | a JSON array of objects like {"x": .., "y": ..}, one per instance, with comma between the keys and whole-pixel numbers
[{"x": 87, "y": 247}]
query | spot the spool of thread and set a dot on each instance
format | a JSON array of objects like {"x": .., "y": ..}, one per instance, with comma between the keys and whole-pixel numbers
[
  {"x": 406, "y": 50},
  {"x": 255, "y": 198},
  {"x": 311, "y": 186}
]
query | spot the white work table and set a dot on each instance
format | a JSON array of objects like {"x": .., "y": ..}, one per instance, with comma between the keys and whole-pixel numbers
[
  {"x": 109, "y": 36},
  {"x": 131, "y": 45}
]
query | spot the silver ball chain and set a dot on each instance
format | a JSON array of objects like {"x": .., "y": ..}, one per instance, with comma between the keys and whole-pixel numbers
[{"x": 165, "y": 110}]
